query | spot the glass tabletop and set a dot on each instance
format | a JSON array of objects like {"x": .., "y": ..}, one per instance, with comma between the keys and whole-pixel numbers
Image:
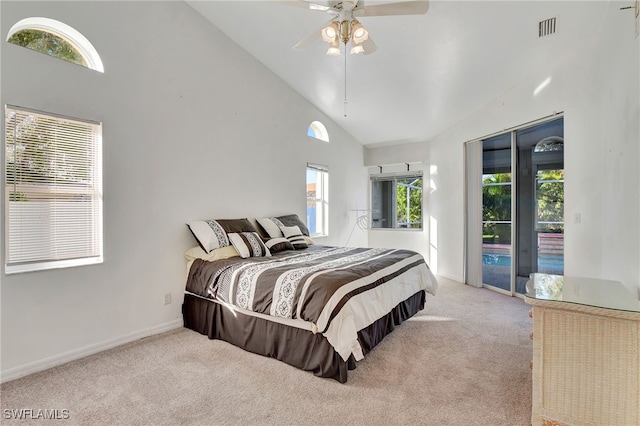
[{"x": 584, "y": 291}]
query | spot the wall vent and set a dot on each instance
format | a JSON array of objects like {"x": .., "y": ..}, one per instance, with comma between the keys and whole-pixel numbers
[{"x": 546, "y": 27}]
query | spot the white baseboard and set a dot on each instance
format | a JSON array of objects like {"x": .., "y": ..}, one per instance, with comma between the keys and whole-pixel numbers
[
  {"x": 46, "y": 363},
  {"x": 451, "y": 277}
]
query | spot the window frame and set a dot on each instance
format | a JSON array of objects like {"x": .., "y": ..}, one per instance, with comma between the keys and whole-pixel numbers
[
  {"x": 394, "y": 178},
  {"x": 317, "y": 130},
  {"x": 60, "y": 198},
  {"x": 69, "y": 34},
  {"x": 321, "y": 198}
]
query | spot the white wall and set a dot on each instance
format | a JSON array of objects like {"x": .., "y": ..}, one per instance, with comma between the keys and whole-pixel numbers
[
  {"x": 442, "y": 200},
  {"x": 597, "y": 87},
  {"x": 193, "y": 128},
  {"x": 619, "y": 112}
]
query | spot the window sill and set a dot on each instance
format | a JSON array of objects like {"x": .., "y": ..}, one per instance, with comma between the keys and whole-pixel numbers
[
  {"x": 398, "y": 229},
  {"x": 43, "y": 266}
]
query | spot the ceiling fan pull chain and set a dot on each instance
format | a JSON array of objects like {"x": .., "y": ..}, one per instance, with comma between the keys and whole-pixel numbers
[{"x": 345, "y": 80}]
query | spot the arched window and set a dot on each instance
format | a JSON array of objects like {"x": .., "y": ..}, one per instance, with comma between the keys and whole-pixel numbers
[
  {"x": 57, "y": 39},
  {"x": 317, "y": 130},
  {"x": 552, "y": 143}
]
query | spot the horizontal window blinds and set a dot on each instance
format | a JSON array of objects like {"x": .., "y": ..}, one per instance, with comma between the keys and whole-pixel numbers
[{"x": 53, "y": 189}]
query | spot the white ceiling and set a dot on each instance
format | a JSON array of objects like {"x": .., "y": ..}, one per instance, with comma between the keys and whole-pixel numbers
[{"x": 429, "y": 72}]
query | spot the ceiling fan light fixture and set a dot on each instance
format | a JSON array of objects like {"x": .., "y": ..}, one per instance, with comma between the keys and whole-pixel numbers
[
  {"x": 357, "y": 48},
  {"x": 345, "y": 31},
  {"x": 334, "y": 48},
  {"x": 330, "y": 32},
  {"x": 358, "y": 32}
]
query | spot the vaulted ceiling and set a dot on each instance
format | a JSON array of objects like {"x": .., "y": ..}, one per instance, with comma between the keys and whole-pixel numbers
[{"x": 429, "y": 72}]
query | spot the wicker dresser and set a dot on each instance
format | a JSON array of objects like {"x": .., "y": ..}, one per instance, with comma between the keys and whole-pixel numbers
[{"x": 586, "y": 352}]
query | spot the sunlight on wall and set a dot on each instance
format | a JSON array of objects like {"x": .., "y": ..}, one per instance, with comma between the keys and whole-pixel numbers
[
  {"x": 433, "y": 171},
  {"x": 433, "y": 244},
  {"x": 541, "y": 86}
]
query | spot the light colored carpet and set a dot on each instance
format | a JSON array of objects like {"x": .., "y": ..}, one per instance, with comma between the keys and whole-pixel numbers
[{"x": 463, "y": 360}]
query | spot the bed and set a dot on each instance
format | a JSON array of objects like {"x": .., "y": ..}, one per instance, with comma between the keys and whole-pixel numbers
[{"x": 318, "y": 308}]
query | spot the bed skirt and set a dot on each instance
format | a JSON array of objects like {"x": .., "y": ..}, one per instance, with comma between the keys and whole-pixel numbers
[{"x": 294, "y": 346}]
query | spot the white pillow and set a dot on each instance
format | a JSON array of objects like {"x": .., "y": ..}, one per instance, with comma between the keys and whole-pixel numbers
[
  {"x": 294, "y": 235},
  {"x": 209, "y": 234},
  {"x": 248, "y": 244}
]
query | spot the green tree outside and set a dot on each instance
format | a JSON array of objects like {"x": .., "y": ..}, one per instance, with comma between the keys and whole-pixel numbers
[
  {"x": 409, "y": 190},
  {"x": 496, "y": 207},
  {"x": 39, "y": 153},
  {"x": 550, "y": 196},
  {"x": 49, "y": 44},
  {"x": 496, "y": 204}
]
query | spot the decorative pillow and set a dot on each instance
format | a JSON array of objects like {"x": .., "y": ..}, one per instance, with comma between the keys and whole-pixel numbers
[
  {"x": 294, "y": 235},
  {"x": 278, "y": 244},
  {"x": 309, "y": 240},
  {"x": 271, "y": 226},
  {"x": 209, "y": 234},
  {"x": 216, "y": 254},
  {"x": 248, "y": 244},
  {"x": 294, "y": 220},
  {"x": 236, "y": 225}
]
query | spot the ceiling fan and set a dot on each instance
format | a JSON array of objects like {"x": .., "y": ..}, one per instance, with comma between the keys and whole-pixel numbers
[{"x": 344, "y": 26}]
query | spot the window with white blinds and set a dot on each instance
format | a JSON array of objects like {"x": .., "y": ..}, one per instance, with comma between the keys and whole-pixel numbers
[{"x": 53, "y": 191}]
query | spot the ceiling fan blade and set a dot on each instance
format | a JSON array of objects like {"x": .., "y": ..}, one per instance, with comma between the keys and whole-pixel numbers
[
  {"x": 419, "y": 7},
  {"x": 302, "y": 44},
  {"x": 316, "y": 6},
  {"x": 369, "y": 46},
  {"x": 304, "y": 4}
]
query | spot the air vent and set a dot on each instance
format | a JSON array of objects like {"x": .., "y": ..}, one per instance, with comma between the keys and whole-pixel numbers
[{"x": 546, "y": 27}]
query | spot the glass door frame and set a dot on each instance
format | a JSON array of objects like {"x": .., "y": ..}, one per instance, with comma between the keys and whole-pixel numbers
[
  {"x": 514, "y": 220},
  {"x": 514, "y": 185}
]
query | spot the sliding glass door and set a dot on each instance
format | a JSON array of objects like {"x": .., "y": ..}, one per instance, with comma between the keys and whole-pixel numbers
[
  {"x": 497, "y": 211},
  {"x": 539, "y": 168},
  {"x": 522, "y": 206}
]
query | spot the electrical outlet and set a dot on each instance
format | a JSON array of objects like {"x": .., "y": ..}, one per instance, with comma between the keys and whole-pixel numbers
[{"x": 167, "y": 298}]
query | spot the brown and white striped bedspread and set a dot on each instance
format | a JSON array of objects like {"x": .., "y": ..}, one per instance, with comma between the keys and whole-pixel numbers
[{"x": 335, "y": 291}]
